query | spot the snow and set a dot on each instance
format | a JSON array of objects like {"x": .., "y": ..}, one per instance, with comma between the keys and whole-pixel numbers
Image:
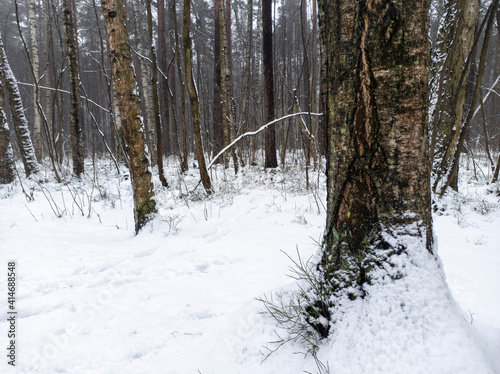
[{"x": 181, "y": 296}]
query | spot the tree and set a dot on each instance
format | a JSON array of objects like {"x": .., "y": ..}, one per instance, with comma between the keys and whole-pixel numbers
[
  {"x": 35, "y": 57},
  {"x": 456, "y": 42},
  {"x": 7, "y": 168},
  {"x": 267, "y": 60},
  {"x": 193, "y": 96},
  {"x": 145, "y": 77},
  {"x": 184, "y": 153},
  {"x": 75, "y": 118},
  {"x": 21, "y": 129},
  {"x": 375, "y": 72},
  {"x": 218, "y": 132},
  {"x": 229, "y": 128},
  {"x": 156, "y": 102},
  {"x": 130, "y": 111}
]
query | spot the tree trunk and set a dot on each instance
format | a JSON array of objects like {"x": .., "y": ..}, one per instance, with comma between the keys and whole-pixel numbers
[
  {"x": 164, "y": 88},
  {"x": 457, "y": 35},
  {"x": 76, "y": 119},
  {"x": 7, "y": 167},
  {"x": 217, "y": 116},
  {"x": 130, "y": 111},
  {"x": 271, "y": 160},
  {"x": 452, "y": 172},
  {"x": 21, "y": 129},
  {"x": 35, "y": 59},
  {"x": 245, "y": 105},
  {"x": 375, "y": 78},
  {"x": 184, "y": 163},
  {"x": 156, "y": 102},
  {"x": 145, "y": 77},
  {"x": 229, "y": 127},
  {"x": 193, "y": 96}
]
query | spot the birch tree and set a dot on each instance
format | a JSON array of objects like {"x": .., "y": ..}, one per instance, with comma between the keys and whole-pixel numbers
[
  {"x": 35, "y": 59},
  {"x": 130, "y": 111},
  {"x": 375, "y": 76},
  {"x": 21, "y": 128}
]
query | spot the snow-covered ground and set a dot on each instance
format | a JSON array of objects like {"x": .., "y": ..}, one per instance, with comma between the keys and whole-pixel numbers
[{"x": 180, "y": 297}]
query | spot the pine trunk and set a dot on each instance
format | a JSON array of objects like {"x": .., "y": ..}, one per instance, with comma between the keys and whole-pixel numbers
[{"x": 130, "y": 111}]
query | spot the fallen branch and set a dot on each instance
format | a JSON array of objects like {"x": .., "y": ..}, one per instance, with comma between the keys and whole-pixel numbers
[{"x": 251, "y": 133}]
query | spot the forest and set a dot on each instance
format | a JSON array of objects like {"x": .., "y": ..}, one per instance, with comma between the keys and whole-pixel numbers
[{"x": 217, "y": 186}]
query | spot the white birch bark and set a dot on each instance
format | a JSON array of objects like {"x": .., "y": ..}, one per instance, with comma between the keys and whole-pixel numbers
[
  {"x": 22, "y": 131},
  {"x": 35, "y": 59}
]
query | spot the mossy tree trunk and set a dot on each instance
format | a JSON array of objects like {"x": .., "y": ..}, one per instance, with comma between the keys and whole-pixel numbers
[
  {"x": 375, "y": 81},
  {"x": 130, "y": 111},
  {"x": 193, "y": 96},
  {"x": 75, "y": 105}
]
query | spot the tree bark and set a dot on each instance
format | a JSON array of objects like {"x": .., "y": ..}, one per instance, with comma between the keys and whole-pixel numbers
[
  {"x": 130, "y": 111},
  {"x": 218, "y": 132},
  {"x": 76, "y": 119},
  {"x": 21, "y": 129},
  {"x": 164, "y": 86},
  {"x": 229, "y": 128},
  {"x": 7, "y": 167},
  {"x": 193, "y": 96},
  {"x": 375, "y": 77},
  {"x": 457, "y": 38},
  {"x": 35, "y": 59},
  {"x": 145, "y": 77},
  {"x": 271, "y": 160},
  {"x": 184, "y": 163},
  {"x": 156, "y": 101}
]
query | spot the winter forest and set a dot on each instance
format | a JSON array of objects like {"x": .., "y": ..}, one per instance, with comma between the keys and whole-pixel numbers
[{"x": 217, "y": 186}]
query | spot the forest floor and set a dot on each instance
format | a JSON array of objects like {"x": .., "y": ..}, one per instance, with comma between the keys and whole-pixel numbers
[{"x": 180, "y": 297}]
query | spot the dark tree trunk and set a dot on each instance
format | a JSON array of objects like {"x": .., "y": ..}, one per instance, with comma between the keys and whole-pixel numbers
[
  {"x": 271, "y": 160},
  {"x": 75, "y": 105},
  {"x": 156, "y": 102},
  {"x": 218, "y": 134},
  {"x": 193, "y": 96},
  {"x": 164, "y": 91},
  {"x": 184, "y": 162},
  {"x": 375, "y": 73},
  {"x": 7, "y": 168},
  {"x": 130, "y": 111}
]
